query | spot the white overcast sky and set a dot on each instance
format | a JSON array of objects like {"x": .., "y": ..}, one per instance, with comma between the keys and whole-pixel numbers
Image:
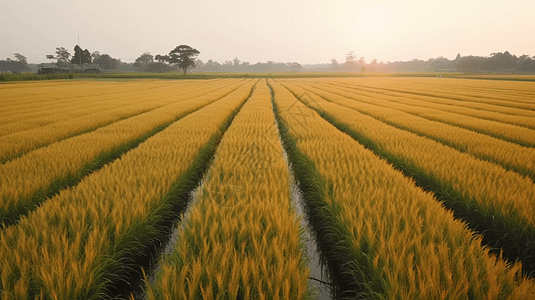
[{"x": 306, "y": 31}]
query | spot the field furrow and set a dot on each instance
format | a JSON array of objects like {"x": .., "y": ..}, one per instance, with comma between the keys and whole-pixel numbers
[
  {"x": 509, "y": 155},
  {"x": 241, "y": 237},
  {"x": 27, "y": 181},
  {"x": 84, "y": 242},
  {"x": 387, "y": 238},
  {"x": 497, "y": 203}
]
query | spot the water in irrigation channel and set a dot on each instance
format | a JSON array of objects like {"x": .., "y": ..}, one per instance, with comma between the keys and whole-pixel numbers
[
  {"x": 320, "y": 282},
  {"x": 168, "y": 244}
]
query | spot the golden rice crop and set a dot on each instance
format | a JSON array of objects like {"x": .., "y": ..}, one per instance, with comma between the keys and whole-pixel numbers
[
  {"x": 27, "y": 181},
  {"x": 517, "y": 116},
  {"x": 510, "y": 155},
  {"x": 29, "y": 98},
  {"x": 502, "y": 76},
  {"x": 61, "y": 126},
  {"x": 241, "y": 239},
  {"x": 433, "y": 89},
  {"x": 516, "y": 134},
  {"x": 486, "y": 195},
  {"x": 43, "y": 108},
  {"x": 391, "y": 239},
  {"x": 82, "y": 241}
]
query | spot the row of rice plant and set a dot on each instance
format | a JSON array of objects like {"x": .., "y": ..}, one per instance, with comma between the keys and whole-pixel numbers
[
  {"x": 41, "y": 108},
  {"x": 491, "y": 199},
  {"x": 241, "y": 237},
  {"x": 29, "y": 98},
  {"x": 453, "y": 92},
  {"x": 120, "y": 107},
  {"x": 497, "y": 92},
  {"x": 388, "y": 238},
  {"x": 514, "y": 116},
  {"x": 83, "y": 242},
  {"x": 512, "y": 133},
  {"x": 27, "y": 181},
  {"x": 509, "y": 155}
]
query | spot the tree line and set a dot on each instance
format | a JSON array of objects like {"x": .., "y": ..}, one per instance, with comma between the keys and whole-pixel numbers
[
  {"x": 500, "y": 62},
  {"x": 183, "y": 58},
  {"x": 104, "y": 61}
]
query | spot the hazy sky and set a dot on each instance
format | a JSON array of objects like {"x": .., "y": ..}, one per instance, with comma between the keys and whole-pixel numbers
[{"x": 306, "y": 31}]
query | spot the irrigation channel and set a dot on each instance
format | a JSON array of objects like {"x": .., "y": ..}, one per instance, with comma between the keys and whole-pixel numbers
[
  {"x": 147, "y": 263},
  {"x": 320, "y": 283}
]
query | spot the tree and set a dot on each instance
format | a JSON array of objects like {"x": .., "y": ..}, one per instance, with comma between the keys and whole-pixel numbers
[
  {"x": 351, "y": 63},
  {"x": 18, "y": 65},
  {"x": 161, "y": 58},
  {"x": 236, "y": 62},
  {"x": 107, "y": 62},
  {"x": 81, "y": 57},
  {"x": 20, "y": 58},
  {"x": 143, "y": 60},
  {"x": 157, "y": 67},
  {"x": 183, "y": 57},
  {"x": 350, "y": 56},
  {"x": 62, "y": 55},
  {"x": 199, "y": 64},
  {"x": 95, "y": 55},
  {"x": 334, "y": 64},
  {"x": 294, "y": 67}
]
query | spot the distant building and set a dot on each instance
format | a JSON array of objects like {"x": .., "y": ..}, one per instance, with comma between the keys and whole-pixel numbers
[{"x": 52, "y": 68}]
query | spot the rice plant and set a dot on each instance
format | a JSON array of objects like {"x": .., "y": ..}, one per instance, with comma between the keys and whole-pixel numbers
[
  {"x": 509, "y": 155},
  {"x": 29, "y": 180},
  {"x": 388, "y": 238},
  {"x": 241, "y": 237},
  {"x": 83, "y": 242}
]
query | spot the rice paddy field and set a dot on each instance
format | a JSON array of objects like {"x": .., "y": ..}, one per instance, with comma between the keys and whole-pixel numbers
[{"x": 268, "y": 188}]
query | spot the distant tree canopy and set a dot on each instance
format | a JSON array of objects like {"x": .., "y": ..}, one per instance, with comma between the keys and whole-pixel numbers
[
  {"x": 497, "y": 62},
  {"x": 238, "y": 66},
  {"x": 144, "y": 60},
  {"x": 95, "y": 55},
  {"x": 182, "y": 56},
  {"x": 106, "y": 62},
  {"x": 62, "y": 55},
  {"x": 20, "y": 58},
  {"x": 18, "y": 65},
  {"x": 81, "y": 57}
]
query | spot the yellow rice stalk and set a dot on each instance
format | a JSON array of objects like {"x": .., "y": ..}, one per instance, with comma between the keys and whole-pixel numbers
[
  {"x": 524, "y": 116},
  {"x": 438, "y": 90},
  {"x": 516, "y": 134},
  {"x": 489, "y": 185},
  {"x": 77, "y": 241},
  {"x": 509, "y": 155},
  {"x": 395, "y": 241},
  {"x": 35, "y": 174},
  {"x": 30, "y": 98},
  {"x": 25, "y": 102},
  {"x": 241, "y": 237},
  {"x": 53, "y": 126}
]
